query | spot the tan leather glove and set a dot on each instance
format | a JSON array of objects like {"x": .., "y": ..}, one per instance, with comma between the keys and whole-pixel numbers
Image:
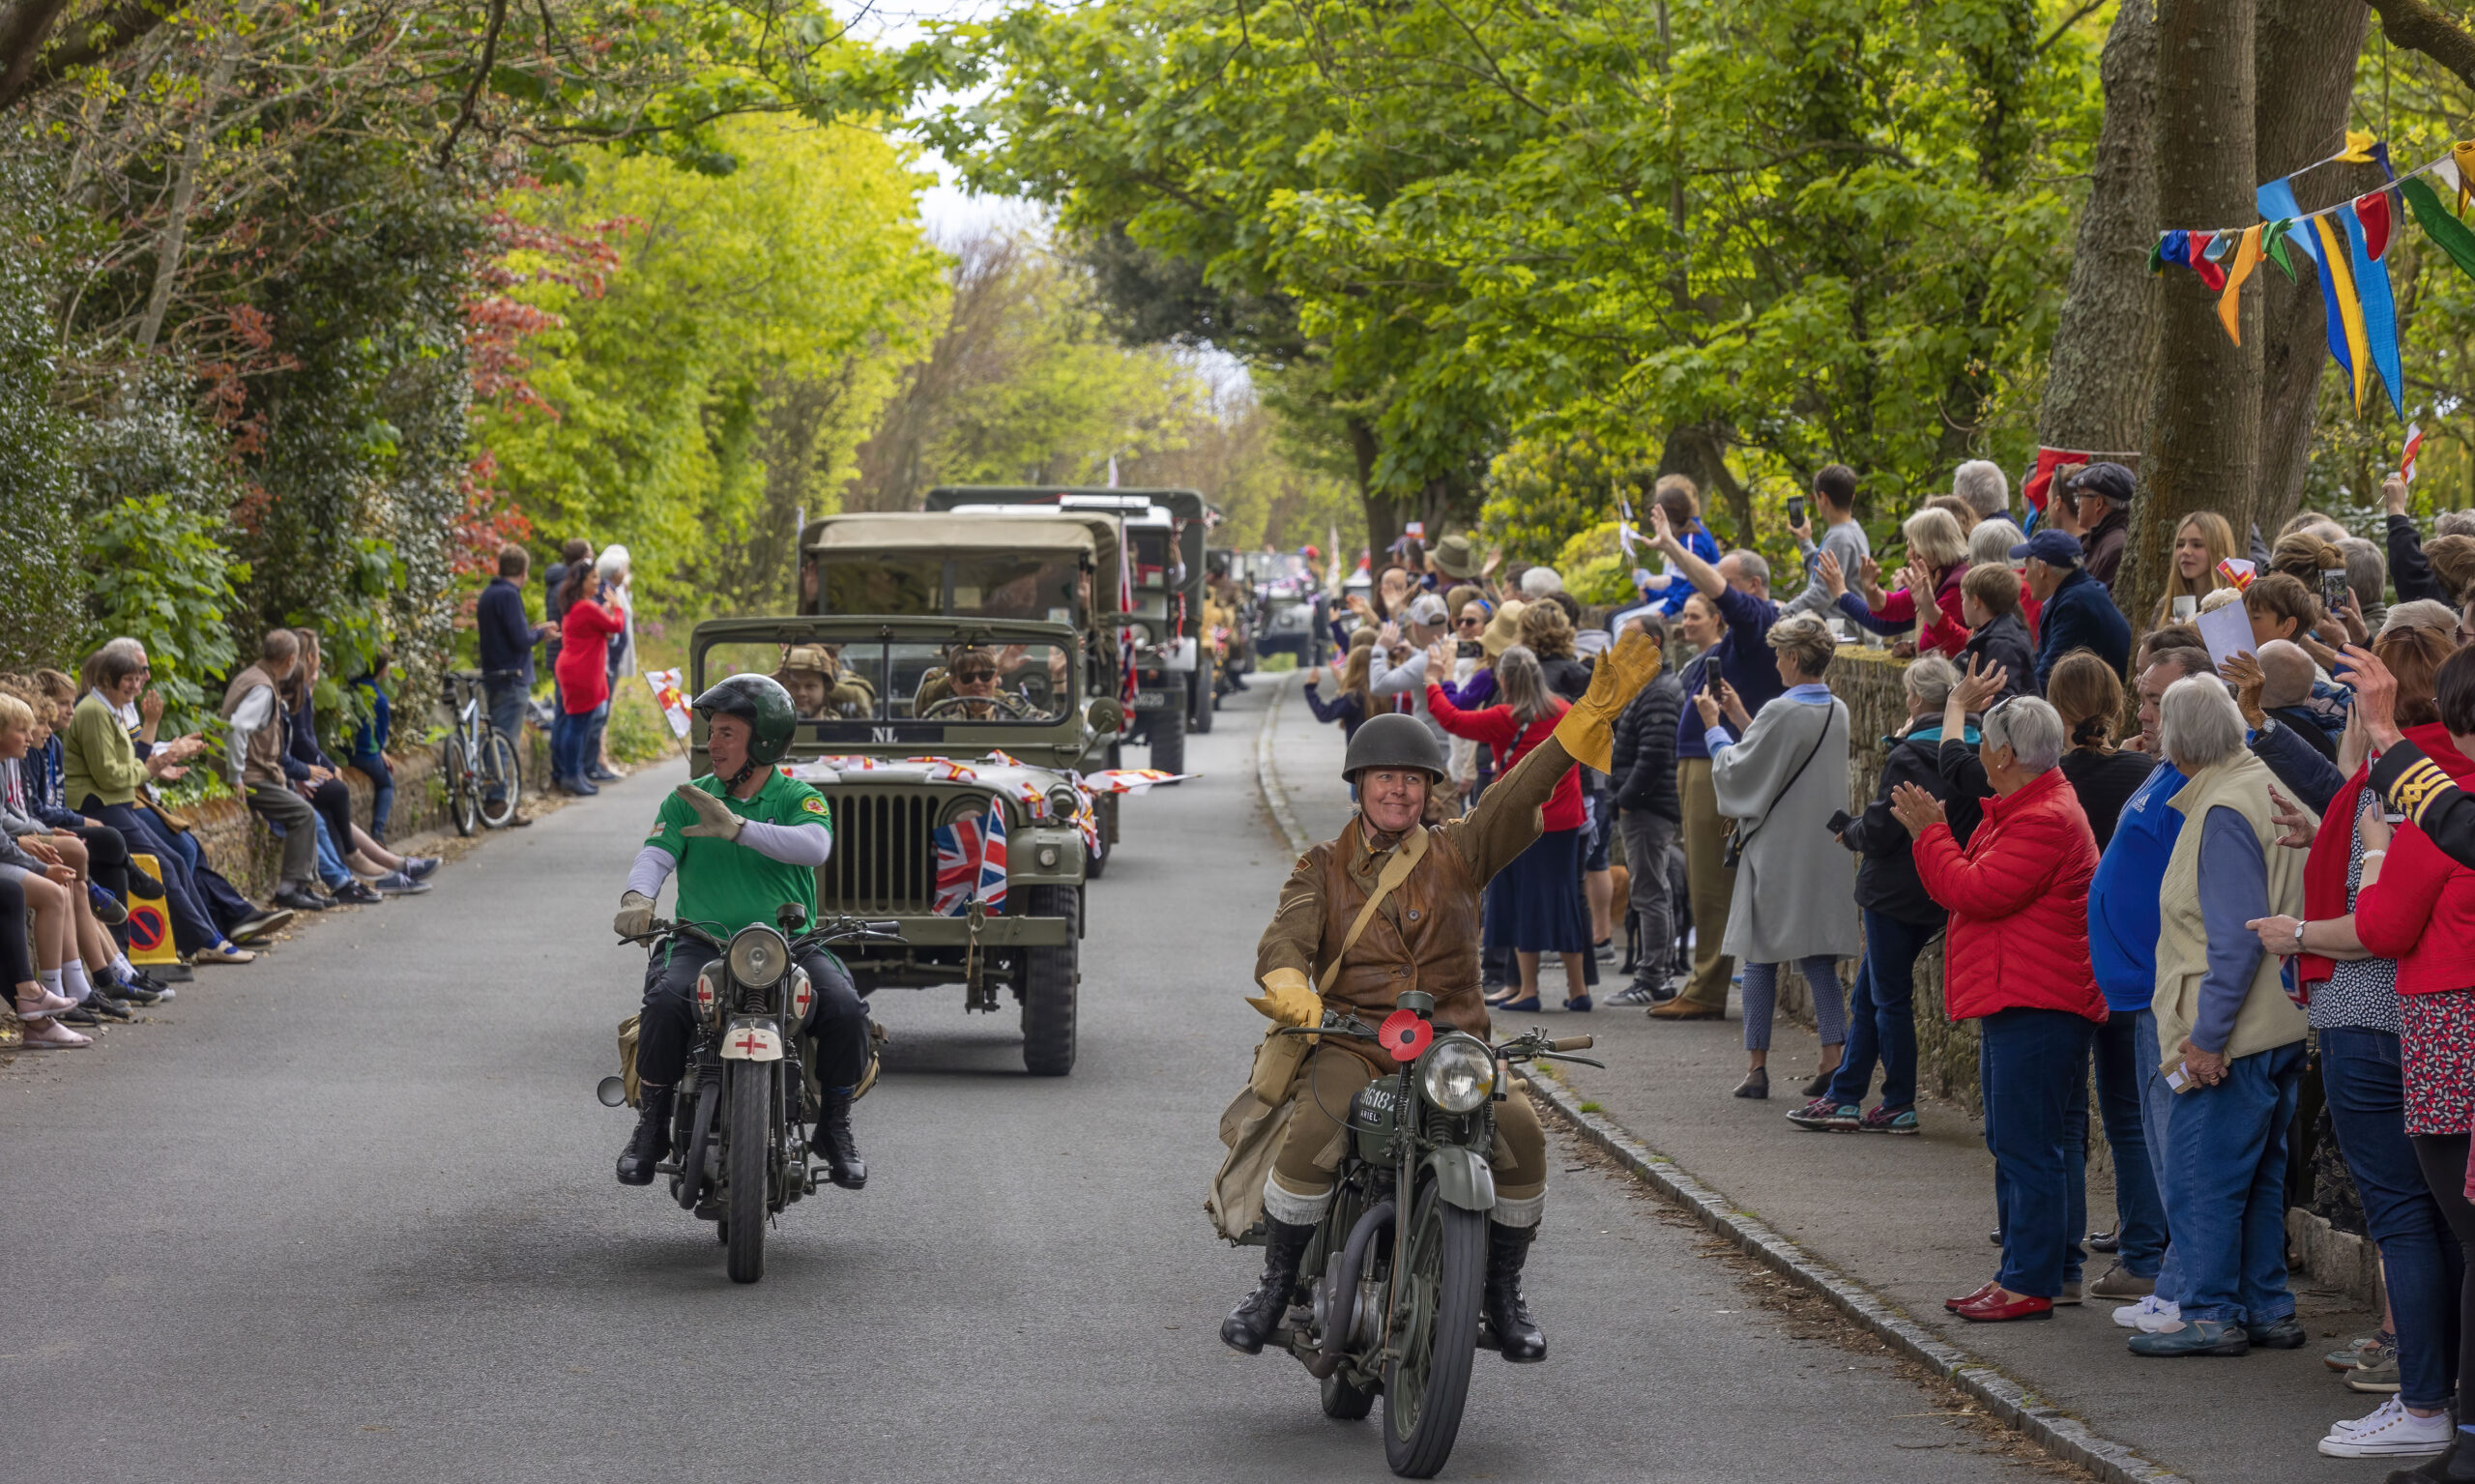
[
  {"x": 1588, "y": 731},
  {"x": 1288, "y": 999},
  {"x": 635, "y": 915},
  {"x": 713, "y": 818}
]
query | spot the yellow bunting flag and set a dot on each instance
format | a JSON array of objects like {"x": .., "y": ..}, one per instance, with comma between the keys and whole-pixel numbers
[
  {"x": 2229, "y": 306},
  {"x": 2463, "y": 155},
  {"x": 2342, "y": 278},
  {"x": 2358, "y": 150}
]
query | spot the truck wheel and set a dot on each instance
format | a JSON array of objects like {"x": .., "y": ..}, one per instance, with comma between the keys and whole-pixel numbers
[
  {"x": 1048, "y": 989},
  {"x": 1200, "y": 689},
  {"x": 1169, "y": 739}
]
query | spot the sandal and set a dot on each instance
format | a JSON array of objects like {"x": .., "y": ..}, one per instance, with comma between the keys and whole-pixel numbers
[
  {"x": 44, "y": 1006},
  {"x": 52, "y": 1036}
]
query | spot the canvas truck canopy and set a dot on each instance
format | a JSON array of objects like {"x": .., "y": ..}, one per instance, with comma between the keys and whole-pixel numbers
[{"x": 1041, "y": 569}]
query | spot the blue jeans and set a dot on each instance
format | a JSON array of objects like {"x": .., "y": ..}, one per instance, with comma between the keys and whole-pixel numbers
[
  {"x": 2156, "y": 1118},
  {"x": 2029, "y": 1062},
  {"x": 505, "y": 703},
  {"x": 193, "y": 929},
  {"x": 382, "y": 791},
  {"x": 570, "y": 754},
  {"x": 2226, "y": 1146},
  {"x": 2140, "y": 1214},
  {"x": 1882, "y": 1016},
  {"x": 2420, "y": 1259}
]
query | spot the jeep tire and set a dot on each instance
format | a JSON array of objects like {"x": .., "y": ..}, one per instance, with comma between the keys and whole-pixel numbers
[
  {"x": 1167, "y": 738},
  {"x": 1203, "y": 689},
  {"x": 1049, "y": 976}
]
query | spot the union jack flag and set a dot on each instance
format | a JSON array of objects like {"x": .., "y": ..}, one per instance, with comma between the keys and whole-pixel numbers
[{"x": 970, "y": 863}]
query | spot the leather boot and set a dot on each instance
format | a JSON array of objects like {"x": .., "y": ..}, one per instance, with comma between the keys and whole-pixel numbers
[
  {"x": 834, "y": 1139},
  {"x": 1257, "y": 1315},
  {"x": 650, "y": 1145},
  {"x": 1516, "y": 1332}
]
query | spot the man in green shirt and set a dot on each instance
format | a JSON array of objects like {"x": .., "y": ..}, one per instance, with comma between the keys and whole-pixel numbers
[{"x": 743, "y": 840}]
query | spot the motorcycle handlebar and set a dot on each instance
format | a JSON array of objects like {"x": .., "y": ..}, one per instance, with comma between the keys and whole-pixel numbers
[{"x": 1573, "y": 1043}]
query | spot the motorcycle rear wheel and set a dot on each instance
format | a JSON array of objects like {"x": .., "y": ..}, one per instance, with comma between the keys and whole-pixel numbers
[
  {"x": 745, "y": 1163},
  {"x": 1439, "y": 1280}
]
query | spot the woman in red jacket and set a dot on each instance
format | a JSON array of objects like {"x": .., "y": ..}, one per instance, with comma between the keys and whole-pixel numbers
[
  {"x": 583, "y": 675},
  {"x": 2015, "y": 960},
  {"x": 1937, "y": 558},
  {"x": 1534, "y": 905},
  {"x": 2417, "y": 906}
]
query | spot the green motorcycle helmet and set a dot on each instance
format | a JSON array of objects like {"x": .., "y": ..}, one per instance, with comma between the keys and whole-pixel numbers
[{"x": 765, "y": 705}]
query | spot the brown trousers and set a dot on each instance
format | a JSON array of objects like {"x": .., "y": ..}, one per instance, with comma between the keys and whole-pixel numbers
[
  {"x": 1713, "y": 885},
  {"x": 1311, "y": 1151}
]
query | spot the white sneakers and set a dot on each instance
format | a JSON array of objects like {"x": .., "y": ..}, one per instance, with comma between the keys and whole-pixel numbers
[
  {"x": 2389, "y": 1433},
  {"x": 2151, "y": 1316}
]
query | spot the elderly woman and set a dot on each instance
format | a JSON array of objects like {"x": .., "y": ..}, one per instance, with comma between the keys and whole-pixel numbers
[
  {"x": 616, "y": 572},
  {"x": 2235, "y": 1035},
  {"x": 1901, "y": 918},
  {"x": 1928, "y": 599},
  {"x": 1781, "y": 784},
  {"x": 2015, "y": 960}
]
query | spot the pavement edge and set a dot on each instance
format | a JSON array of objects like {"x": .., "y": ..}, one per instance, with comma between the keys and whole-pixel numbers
[{"x": 2056, "y": 1431}]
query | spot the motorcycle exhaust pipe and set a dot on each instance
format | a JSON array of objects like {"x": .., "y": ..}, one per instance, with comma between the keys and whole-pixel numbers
[{"x": 1344, "y": 1297}]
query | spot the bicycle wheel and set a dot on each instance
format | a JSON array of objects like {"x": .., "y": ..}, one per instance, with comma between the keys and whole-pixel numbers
[
  {"x": 501, "y": 774},
  {"x": 461, "y": 806}
]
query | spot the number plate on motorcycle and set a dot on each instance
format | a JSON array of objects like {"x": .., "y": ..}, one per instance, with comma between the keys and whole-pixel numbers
[{"x": 1404, "y": 1035}]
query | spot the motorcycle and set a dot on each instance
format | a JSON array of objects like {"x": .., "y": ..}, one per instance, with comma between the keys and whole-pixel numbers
[
  {"x": 1400, "y": 1259},
  {"x": 742, "y": 1147}
]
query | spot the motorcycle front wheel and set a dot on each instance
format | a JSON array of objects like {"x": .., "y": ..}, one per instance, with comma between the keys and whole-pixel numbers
[
  {"x": 744, "y": 1168},
  {"x": 1439, "y": 1280}
]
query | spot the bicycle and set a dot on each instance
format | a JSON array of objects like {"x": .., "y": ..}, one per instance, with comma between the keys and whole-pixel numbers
[{"x": 479, "y": 760}]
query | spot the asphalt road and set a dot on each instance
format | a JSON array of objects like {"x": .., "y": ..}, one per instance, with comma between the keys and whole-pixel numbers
[{"x": 349, "y": 1215}]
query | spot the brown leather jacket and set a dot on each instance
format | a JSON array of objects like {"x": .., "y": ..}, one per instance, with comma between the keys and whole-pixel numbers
[{"x": 1425, "y": 936}]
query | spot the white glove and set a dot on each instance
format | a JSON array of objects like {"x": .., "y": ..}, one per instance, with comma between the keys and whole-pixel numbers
[
  {"x": 635, "y": 915},
  {"x": 715, "y": 820}
]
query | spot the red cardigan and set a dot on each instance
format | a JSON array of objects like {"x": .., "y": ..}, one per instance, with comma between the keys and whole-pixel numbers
[
  {"x": 584, "y": 655},
  {"x": 1948, "y": 635},
  {"x": 1495, "y": 726},
  {"x": 2019, "y": 904},
  {"x": 2422, "y": 910}
]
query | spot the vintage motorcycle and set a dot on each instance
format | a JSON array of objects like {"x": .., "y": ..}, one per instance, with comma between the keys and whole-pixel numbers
[
  {"x": 740, "y": 1140},
  {"x": 1399, "y": 1264}
]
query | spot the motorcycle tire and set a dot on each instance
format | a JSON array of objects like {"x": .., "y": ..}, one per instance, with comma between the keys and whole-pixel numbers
[
  {"x": 463, "y": 801},
  {"x": 498, "y": 766},
  {"x": 1168, "y": 739},
  {"x": 1440, "y": 1280},
  {"x": 745, "y": 1158},
  {"x": 1345, "y": 1403},
  {"x": 1049, "y": 977}
]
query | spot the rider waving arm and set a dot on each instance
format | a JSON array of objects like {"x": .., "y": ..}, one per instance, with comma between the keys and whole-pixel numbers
[{"x": 1505, "y": 821}]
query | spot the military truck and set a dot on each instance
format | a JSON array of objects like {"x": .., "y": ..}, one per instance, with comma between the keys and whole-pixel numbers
[{"x": 1162, "y": 532}]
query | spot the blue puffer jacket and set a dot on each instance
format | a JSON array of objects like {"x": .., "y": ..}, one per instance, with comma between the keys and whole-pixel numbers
[
  {"x": 2082, "y": 616},
  {"x": 2122, "y": 897}
]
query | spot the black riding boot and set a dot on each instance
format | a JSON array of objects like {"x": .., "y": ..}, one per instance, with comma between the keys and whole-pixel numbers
[
  {"x": 834, "y": 1139},
  {"x": 650, "y": 1145},
  {"x": 1516, "y": 1332},
  {"x": 1252, "y": 1322}
]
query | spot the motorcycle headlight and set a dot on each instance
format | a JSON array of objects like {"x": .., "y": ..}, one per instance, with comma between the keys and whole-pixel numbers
[
  {"x": 759, "y": 956},
  {"x": 1458, "y": 1074}
]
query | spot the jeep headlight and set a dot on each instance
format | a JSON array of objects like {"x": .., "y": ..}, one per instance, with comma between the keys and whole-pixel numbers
[
  {"x": 759, "y": 956},
  {"x": 1458, "y": 1074},
  {"x": 1062, "y": 801}
]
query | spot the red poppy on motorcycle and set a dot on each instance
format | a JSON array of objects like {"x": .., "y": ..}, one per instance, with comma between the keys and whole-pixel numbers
[
  {"x": 1404, "y": 1035},
  {"x": 802, "y": 995}
]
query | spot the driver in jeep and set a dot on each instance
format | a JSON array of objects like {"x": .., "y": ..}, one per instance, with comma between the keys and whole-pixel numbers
[
  {"x": 1325, "y": 948},
  {"x": 744, "y": 839}
]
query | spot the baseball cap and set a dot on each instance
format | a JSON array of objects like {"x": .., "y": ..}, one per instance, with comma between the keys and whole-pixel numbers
[
  {"x": 2054, "y": 548},
  {"x": 1426, "y": 611}
]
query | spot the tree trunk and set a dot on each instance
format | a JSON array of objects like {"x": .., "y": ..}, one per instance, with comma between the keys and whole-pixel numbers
[
  {"x": 2102, "y": 374},
  {"x": 2204, "y": 429},
  {"x": 2306, "y": 58},
  {"x": 175, "y": 221},
  {"x": 1382, "y": 512}
]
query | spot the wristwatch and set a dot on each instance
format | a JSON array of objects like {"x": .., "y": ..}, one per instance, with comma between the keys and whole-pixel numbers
[{"x": 2299, "y": 925}]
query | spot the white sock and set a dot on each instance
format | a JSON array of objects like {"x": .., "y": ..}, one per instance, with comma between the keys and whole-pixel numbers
[
  {"x": 124, "y": 968},
  {"x": 73, "y": 982},
  {"x": 50, "y": 980}
]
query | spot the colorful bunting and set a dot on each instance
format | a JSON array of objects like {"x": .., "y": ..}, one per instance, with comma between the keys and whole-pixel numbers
[
  {"x": 2229, "y": 307},
  {"x": 2196, "y": 254},
  {"x": 2346, "y": 344},
  {"x": 2431, "y": 213},
  {"x": 2371, "y": 208},
  {"x": 2277, "y": 204},
  {"x": 2378, "y": 314}
]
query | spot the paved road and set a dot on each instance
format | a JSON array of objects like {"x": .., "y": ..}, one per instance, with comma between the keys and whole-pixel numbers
[{"x": 348, "y": 1214}]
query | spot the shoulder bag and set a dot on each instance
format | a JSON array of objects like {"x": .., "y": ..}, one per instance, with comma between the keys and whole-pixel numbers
[{"x": 1733, "y": 838}]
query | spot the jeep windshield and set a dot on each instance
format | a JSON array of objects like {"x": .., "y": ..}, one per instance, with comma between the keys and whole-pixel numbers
[{"x": 838, "y": 688}]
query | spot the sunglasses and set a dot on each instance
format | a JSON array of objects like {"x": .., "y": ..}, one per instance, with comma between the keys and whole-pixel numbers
[
  {"x": 974, "y": 677},
  {"x": 1473, "y": 622}
]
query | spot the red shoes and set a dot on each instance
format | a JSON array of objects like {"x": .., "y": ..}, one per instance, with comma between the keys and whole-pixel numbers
[
  {"x": 1955, "y": 1305},
  {"x": 1994, "y": 1306}
]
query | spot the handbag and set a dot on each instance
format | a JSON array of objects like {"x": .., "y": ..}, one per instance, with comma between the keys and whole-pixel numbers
[{"x": 1733, "y": 838}]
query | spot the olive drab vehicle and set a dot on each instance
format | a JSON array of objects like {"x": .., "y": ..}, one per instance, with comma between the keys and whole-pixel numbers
[
  {"x": 946, "y": 749},
  {"x": 1163, "y": 532}
]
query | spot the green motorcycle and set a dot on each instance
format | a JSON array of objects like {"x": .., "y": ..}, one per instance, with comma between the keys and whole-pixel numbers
[{"x": 1399, "y": 1262}]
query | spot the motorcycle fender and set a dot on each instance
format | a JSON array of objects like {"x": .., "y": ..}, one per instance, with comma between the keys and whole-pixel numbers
[
  {"x": 1463, "y": 1179},
  {"x": 751, "y": 1039}
]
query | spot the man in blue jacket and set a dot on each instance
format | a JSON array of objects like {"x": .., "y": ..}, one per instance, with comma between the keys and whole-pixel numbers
[
  {"x": 2079, "y": 612},
  {"x": 506, "y": 639}
]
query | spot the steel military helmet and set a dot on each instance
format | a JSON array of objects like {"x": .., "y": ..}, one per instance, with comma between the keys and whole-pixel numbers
[
  {"x": 1395, "y": 740},
  {"x": 764, "y": 704}
]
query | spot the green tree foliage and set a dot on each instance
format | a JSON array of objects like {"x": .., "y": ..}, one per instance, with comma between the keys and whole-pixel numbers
[
  {"x": 171, "y": 586},
  {"x": 721, "y": 377}
]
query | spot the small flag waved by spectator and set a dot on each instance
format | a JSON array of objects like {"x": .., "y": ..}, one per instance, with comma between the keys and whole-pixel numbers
[
  {"x": 667, "y": 696},
  {"x": 2414, "y": 446}
]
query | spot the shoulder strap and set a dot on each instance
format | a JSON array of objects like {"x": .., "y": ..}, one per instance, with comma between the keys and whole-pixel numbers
[
  {"x": 1830, "y": 713},
  {"x": 1395, "y": 871}
]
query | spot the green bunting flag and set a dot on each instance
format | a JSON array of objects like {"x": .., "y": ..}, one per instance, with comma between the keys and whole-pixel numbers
[{"x": 2452, "y": 234}]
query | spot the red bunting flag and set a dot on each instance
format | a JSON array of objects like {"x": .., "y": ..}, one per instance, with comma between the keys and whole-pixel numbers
[{"x": 2372, "y": 211}]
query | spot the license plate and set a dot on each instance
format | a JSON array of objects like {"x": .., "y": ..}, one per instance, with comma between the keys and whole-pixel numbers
[{"x": 1150, "y": 700}]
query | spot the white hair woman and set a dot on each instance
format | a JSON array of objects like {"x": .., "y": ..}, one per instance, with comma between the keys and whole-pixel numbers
[
  {"x": 2016, "y": 961},
  {"x": 616, "y": 569},
  {"x": 1927, "y": 601},
  {"x": 1781, "y": 784},
  {"x": 2221, "y": 1004}
]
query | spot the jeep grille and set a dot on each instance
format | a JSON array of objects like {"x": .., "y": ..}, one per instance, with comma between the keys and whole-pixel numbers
[{"x": 885, "y": 857}]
